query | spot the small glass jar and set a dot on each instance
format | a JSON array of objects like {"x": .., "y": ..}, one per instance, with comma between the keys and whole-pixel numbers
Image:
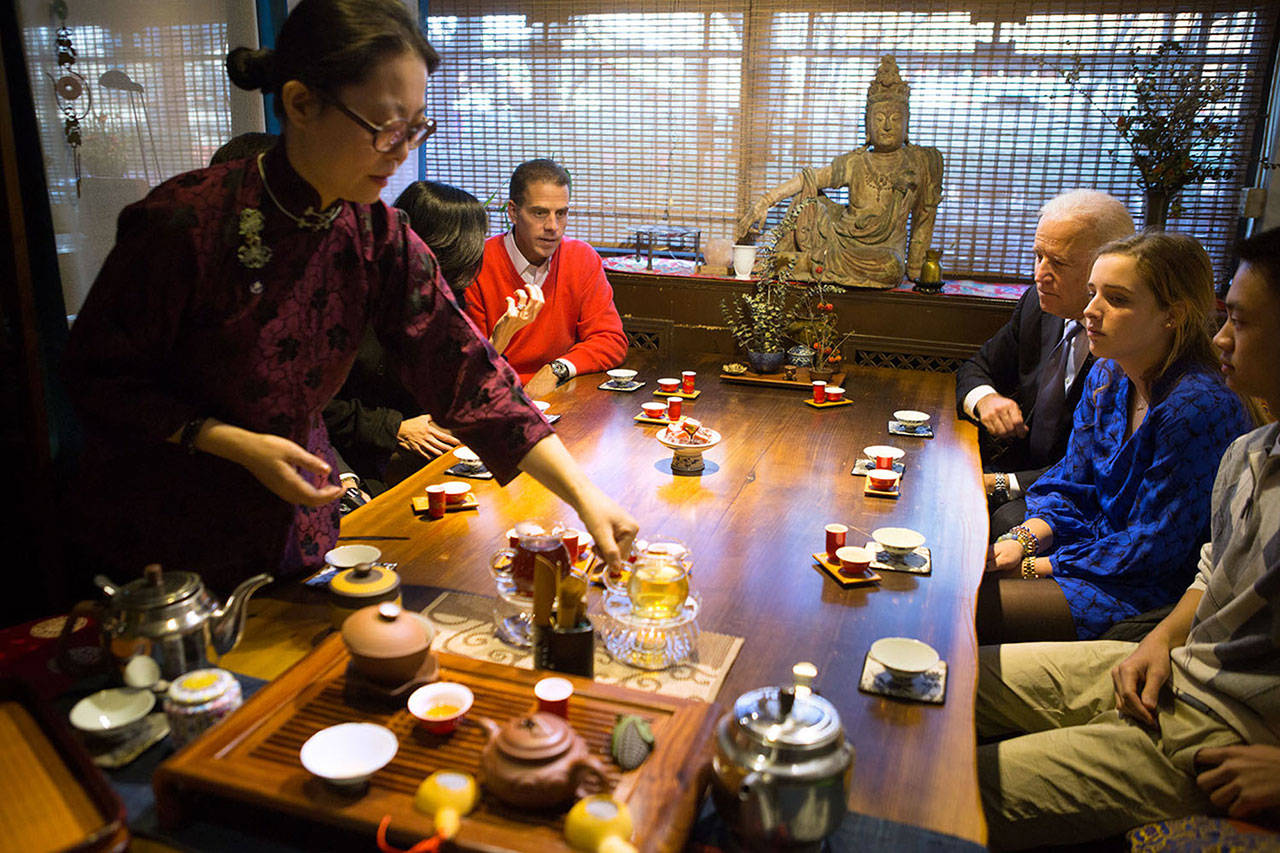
[{"x": 198, "y": 700}]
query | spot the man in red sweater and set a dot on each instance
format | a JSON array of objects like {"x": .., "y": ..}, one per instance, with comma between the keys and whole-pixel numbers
[{"x": 543, "y": 299}]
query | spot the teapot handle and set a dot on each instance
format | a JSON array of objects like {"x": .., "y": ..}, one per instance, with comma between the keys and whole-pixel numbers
[
  {"x": 588, "y": 777},
  {"x": 70, "y": 665}
]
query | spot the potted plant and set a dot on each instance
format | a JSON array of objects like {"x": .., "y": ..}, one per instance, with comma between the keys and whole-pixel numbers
[
  {"x": 1168, "y": 122},
  {"x": 758, "y": 322},
  {"x": 819, "y": 331}
]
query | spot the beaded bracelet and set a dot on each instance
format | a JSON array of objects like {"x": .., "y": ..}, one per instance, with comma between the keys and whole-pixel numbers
[{"x": 1029, "y": 541}]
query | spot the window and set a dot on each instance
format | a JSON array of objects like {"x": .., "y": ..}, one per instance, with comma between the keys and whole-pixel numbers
[{"x": 687, "y": 112}]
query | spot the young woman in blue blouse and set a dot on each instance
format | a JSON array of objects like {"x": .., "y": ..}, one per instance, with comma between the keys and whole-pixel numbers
[{"x": 1113, "y": 528}]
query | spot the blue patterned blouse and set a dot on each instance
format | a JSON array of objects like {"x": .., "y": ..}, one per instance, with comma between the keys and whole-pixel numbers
[{"x": 1128, "y": 515}]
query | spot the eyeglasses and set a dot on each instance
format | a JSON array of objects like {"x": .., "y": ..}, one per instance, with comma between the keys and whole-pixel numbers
[{"x": 389, "y": 136}]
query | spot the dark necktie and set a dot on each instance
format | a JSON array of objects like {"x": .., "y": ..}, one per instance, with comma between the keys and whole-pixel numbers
[{"x": 1051, "y": 398}]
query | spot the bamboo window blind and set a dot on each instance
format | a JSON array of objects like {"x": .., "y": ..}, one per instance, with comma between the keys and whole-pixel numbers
[{"x": 684, "y": 112}]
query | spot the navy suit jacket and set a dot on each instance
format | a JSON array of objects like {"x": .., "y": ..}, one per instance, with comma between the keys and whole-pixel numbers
[{"x": 1010, "y": 362}]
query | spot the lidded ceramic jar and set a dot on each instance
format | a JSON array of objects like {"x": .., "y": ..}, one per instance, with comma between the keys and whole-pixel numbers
[
  {"x": 198, "y": 700},
  {"x": 389, "y": 645},
  {"x": 359, "y": 581}
]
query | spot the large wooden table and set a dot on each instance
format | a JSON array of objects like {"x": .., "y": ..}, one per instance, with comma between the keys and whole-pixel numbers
[{"x": 752, "y": 519}]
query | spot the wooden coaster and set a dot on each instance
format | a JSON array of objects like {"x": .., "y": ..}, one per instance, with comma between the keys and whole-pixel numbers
[
  {"x": 645, "y": 419},
  {"x": 882, "y": 493},
  {"x": 695, "y": 395},
  {"x": 422, "y": 504},
  {"x": 833, "y": 571},
  {"x": 828, "y": 405}
]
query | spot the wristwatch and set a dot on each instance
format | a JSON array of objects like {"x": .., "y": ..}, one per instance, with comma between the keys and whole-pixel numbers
[
  {"x": 1000, "y": 494},
  {"x": 561, "y": 370}
]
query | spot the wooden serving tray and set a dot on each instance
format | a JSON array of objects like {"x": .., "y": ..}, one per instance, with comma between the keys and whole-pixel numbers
[
  {"x": 776, "y": 380},
  {"x": 52, "y": 797},
  {"x": 252, "y": 757}
]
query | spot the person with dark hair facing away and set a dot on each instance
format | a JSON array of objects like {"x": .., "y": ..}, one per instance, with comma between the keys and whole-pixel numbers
[
  {"x": 231, "y": 308},
  {"x": 578, "y": 329},
  {"x": 1113, "y": 734},
  {"x": 1112, "y": 528},
  {"x": 370, "y": 421}
]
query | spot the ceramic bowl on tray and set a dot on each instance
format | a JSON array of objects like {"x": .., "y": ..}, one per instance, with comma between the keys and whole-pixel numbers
[
  {"x": 112, "y": 713},
  {"x": 620, "y": 376},
  {"x": 441, "y": 706},
  {"x": 898, "y": 541},
  {"x": 904, "y": 657},
  {"x": 467, "y": 458},
  {"x": 911, "y": 418},
  {"x": 687, "y": 449},
  {"x": 347, "y": 754}
]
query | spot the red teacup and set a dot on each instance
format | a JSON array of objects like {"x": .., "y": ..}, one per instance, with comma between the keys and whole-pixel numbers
[
  {"x": 834, "y": 393},
  {"x": 883, "y": 479},
  {"x": 553, "y": 695},
  {"x": 654, "y": 410},
  {"x": 836, "y": 534},
  {"x": 819, "y": 391},
  {"x": 436, "y": 499},
  {"x": 455, "y": 491},
  {"x": 854, "y": 561},
  {"x": 570, "y": 537},
  {"x": 674, "y": 405},
  {"x": 686, "y": 381},
  {"x": 668, "y": 385}
]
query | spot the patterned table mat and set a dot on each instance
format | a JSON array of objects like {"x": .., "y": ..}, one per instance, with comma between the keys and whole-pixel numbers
[{"x": 464, "y": 625}]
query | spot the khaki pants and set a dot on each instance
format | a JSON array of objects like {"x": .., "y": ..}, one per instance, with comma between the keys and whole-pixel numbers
[{"x": 1080, "y": 770}]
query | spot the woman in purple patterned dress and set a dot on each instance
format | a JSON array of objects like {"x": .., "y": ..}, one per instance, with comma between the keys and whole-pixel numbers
[{"x": 231, "y": 307}]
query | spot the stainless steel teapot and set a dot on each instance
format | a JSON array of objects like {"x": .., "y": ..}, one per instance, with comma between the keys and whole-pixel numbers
[
  {"x": 782, "y": 767},
  {"x": 171, "y": 617}
]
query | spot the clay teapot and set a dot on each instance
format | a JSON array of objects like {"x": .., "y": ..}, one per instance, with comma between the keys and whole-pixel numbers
[{"x": 538, "y": 762}]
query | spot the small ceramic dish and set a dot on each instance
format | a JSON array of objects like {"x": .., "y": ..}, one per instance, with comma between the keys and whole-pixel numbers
[
  {"x": 467, "y": 458},
  {"x": 346, "y": 755},
  {"x": 441, "y": 706},
  {"x": 911, "y": 418},
  {"x": 898, "y": 541},
  {"x": 352, "y": 556},
  {"x": 904, "y": 657},
  {"x": 654, "y": 410},
  {"x": 669, "y": 385},
  {"x": 112, "y": 713},
  {"x": 876, "y": 451},
  {"x": 621, "y": 376},
  {"x": 455, "y": 491}
]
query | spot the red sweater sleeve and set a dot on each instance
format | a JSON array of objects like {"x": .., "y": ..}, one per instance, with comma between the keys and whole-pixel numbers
[{"x": 600, "y": 341}]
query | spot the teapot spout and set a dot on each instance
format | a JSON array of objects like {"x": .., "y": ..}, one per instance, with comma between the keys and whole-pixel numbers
[{"x": 227, "y": 622}]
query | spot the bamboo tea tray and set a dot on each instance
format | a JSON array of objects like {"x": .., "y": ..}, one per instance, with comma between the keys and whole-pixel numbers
[
  {"x": 252, "y": 757},
  {"x": 778, "y": 380}
]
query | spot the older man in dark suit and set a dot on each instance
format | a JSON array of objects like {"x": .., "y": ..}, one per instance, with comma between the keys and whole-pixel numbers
[{"x": 1023, "y": 384}]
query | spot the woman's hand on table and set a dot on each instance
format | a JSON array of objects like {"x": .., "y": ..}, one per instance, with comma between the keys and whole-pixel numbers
[
  {"x": 424, "y": 436},
  {"x": 1004, "y": 556}
]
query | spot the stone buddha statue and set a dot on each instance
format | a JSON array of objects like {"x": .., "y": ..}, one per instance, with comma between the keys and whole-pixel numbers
[{"x": 891, "y": 183}]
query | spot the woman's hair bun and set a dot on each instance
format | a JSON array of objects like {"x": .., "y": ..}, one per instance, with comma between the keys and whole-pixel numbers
[{"x": 251, "y": 69}]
